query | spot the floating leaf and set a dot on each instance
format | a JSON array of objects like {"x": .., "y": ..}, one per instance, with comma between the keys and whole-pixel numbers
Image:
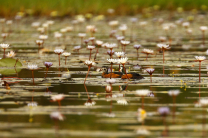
[{"x": 9, "y": 62}]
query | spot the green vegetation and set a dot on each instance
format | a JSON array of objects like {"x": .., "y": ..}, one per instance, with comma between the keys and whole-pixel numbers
[{"x": 9, "y": 8}]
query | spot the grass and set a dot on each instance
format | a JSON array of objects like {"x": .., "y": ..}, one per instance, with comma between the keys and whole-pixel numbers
[{"x": 9, "y": 8}]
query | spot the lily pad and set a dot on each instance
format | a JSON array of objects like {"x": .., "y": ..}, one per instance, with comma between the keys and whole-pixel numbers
[{"x": 9, "y": 62}]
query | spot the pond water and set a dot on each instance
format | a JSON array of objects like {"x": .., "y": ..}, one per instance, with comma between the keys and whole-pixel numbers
[{"x": 26, "y": 107}]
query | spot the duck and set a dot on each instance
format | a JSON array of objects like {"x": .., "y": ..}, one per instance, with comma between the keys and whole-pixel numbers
[
  {"x": 131, "y": 75},
  {"x": 106, "y": 74}
]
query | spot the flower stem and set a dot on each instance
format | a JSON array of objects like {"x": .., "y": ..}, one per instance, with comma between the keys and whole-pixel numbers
[
  {"x": 59, "y": 60},
  {"x": 33, "y": 76},
  {"x": 16, "y": 62},
  {"x": 65, "y": 59},
  {"x": 4, "y": 53},
  {"x": 125, "y": 72},
  {"x": 199, "y": 71},
  {"x": 146, "y": 56},
  {"x": 90, "y": 54},
  {"x": 137, "y": 54},
  {"x": 87, "y": 74},
  {"x": 163, "y": 55},
  {"x": 151, "y": 78},
  {"x": 46, "y": 72},
  {"x": 111, "y": 70}
]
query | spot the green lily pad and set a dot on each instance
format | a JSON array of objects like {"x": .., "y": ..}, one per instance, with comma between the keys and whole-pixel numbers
[
  {"x": 5, "y": 71},
  {"x": 9, "y": 62}
]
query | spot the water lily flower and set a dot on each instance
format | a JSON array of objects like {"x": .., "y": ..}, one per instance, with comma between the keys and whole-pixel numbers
[
  {"x": 89, "y": 102},
  {"x": 43, "y": 37},
  {"x": 108, "y": 88},
  {"x": 122, "y": 101},
  {"x": 142, "y": 131},
  {"x": 11, "y": 54},
  {"x": 150, "y": 71},
  {"x": 173, "y": 92},
  {"x": 163, "y": 111},
  {"x": 57, "y": 116},
  {"x": 59, "y": 52},
  {"x": 66, "y": 54},
  {"x": 90, "y": 48},
  {"x": 32, "y": 67},
  {"x": 203, "y": 29},
  {"x": 163, "y": 48},
  {"x": 141, "y": 114},
  {"x": 137, "y": 47},
  {"x": 147, "y": 52},
  {"x": 48, "y": 65},
  {"x": 4, "y": 46},
  {"x": 124, "y": 43},
  {"x": 123, "y": 62},
  {"x": 142, "y": 93},
  {"x": 200, "y": 59}
]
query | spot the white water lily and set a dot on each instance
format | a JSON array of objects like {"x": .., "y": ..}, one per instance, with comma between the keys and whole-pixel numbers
[
  {"x": 113, "y": 23},
  {"x": 57, "y": 116},
  {"x": 120, "y": 37},
  {"x": 203, "y": 28},
  {"x": 123, "y": 27},
  {"x": 90, "y": 47},
  {"x": 32, "y": 67},
  {"x": 11, "y": 54},
  {"x": 173, "y": 92},
  {"x": 203, "y": 101},
  {"x": 142, "y": 92},
  {"x": 57, "y": 97},
  {"x": 112, "y": 60},
  {"x": 4, "y": 35},
  {"x": 122, "y": 60},
  {"x": 186, "y": 24},
  {"x": 120, "y": 54},
  {"x": 66, "y": 54},
  {"x": 63, "y": 30},
  {"x": 77, "y": 47},
  {"x": 108, "y": 88},
  {"x": 90, "y": 103},
  {"x": 58, "y": 51},
  {"x": 39, "y": 42},
  {"x": 122, "y": 101},
  {"x": 141, "y": 115},
  {"x": 57, "y": 35},
  {"x": 50, "y": 22},
  {"x": 35, "y": 24},
  {"x": 89, "y": 63},
  {"x": 142, "y": 131},
  {"x": 99, "y": 43},
  {"x": 110, "y": 45},
  {"x": 200, "y": 58},
  {"x": 82, "y": 35},
  {"x": 32, "y": 104},
  {"x": 163, "y": 46},
  {"x": 147, "y": 51},
  {"x": 4, "y": 46},
  {"x": 43, "y": 37},
  {"x": 125, "y": 42}
]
